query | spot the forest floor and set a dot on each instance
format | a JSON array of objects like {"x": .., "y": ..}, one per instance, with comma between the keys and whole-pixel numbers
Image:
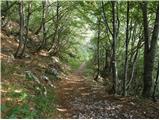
[{"x": 80, "y": 98}]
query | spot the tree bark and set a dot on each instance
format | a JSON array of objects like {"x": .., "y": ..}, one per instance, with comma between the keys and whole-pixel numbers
[
  {"x": 126, "y": 53},
  {"x": 134, "y": 64},
  {"x": 149, "y": 51},
  {"x": 21, "y": 14},
  {"x": 56, "y": 27},
  {"x": 44, "y": 9},
  {"x": 114, "y": 37},
  {"x": 27, "y": 28},
  {"x": 155, "y": 84},
  {"x": 98, "y": 38},
  {"x": 105, "y": 19},
  {"x": 106, "y": 69}
]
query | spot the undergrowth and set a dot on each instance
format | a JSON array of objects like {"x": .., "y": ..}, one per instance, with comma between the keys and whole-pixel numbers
[
  {"x": 22, "y": 104},
  {"x": 20, "y": 98}
]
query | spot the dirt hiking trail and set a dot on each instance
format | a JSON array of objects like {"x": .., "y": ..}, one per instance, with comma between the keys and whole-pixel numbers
[{"x": 80, "y": 98}]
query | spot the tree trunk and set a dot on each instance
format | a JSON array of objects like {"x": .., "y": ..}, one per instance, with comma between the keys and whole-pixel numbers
[
  {"x": 149, "y": 51},
  {"x": 106, "y": 69},
  {"x": 134, "y": 63},
  {"x": 27, "y": 28},
  {"x": 43, "y": 43},
  {"x": 56, "y": 28},
  {"x": 21, "y": 14},
  {"x": 43, "y": 25},
  {"x": 155, "y": 84},
  {"x": 114, "y": 37},
  {"x": 98, "y": 38},
  {"x": 105, "y": 19},
  {"x": 108, "y": 31},
  {"x": 126, "y": 53}
]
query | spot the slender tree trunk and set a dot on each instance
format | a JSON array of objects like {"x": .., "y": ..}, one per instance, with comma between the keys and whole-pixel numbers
[
  {"x": 156, "y": 83},
  {"x": 56, "y": 28},
  {"x": 149, "y": 51},
  {"x": 108, "y": 31},
  {"x": 105, "y": 19},
  {"x": 106, "y": 64},
  {"x": 27, "y": 27},
  {"x": 44, "y": 21},
  {"x": 21, "y": 14},
  {"x": 134, "y": 64},
  {"x": 43, "y": 43},
  {"x": 126, "y": 53},
  {"x": 98, "y": 38},
  {"x": 114, "y": 37}
]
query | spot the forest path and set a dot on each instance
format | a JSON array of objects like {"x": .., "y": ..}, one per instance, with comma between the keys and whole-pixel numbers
[
  {"x": 81, "y": 69},
  {"x": 81, "y": 98},
  {"x": 75, "y": 93}
]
